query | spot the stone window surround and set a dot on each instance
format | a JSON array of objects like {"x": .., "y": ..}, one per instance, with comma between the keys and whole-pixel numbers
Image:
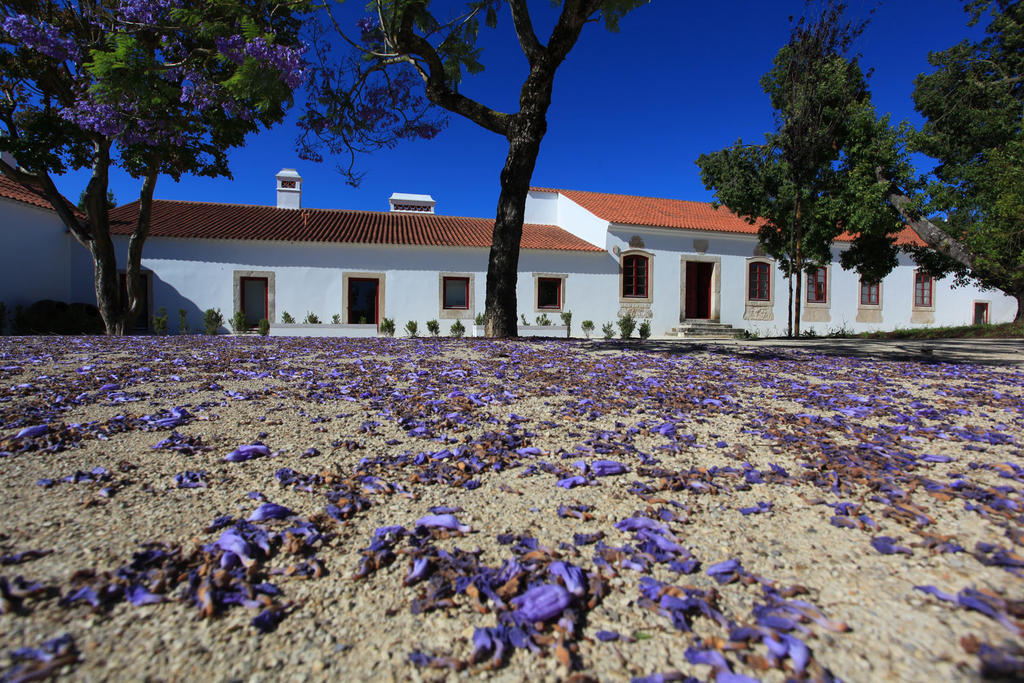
[
  {"x": 456, "y": 313},
  {"x": 819, "y": 311},
  {"x": 649, "y": 299},
  {"x": 755, "y": 309},
  {"x": 236, "y": 290},
  {"x": 870, "y": 313},
  {"x": 358, "y": 275},
  {"x": 716, "y": 283},
  {"x": 988, "y": 309},
  {"x": 562, "y": 277},
  {"x": 921, "y": 314}
]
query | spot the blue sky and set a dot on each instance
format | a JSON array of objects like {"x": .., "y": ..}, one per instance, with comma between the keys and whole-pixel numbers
[{"x": 631, "y": 110}]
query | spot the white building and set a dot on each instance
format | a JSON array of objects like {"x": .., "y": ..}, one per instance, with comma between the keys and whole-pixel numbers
[{"x": 597, "y": 255}]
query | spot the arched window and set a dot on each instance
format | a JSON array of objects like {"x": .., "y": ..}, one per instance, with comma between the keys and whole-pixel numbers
[
  {"x": 759, "y": 281},
  {"x": 635, "y": 276}
]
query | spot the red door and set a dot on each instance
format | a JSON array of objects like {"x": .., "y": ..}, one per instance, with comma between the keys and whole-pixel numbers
[{"x": 698, "y": 289}]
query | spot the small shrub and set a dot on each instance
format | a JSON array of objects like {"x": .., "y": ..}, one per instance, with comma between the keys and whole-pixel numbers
[
  {"x": 212, "y": 320},
  {"x": 263, "y": 326},
  {"x": 362, "y": 320},
  {"x": 387, "y": 327},
  {"x": 588, "y": 327},
  {"x": 433, "y": 328},
  {"x": 458, "y": 329},
  {"x": 566, "y": 317},
  {"x": 522, "y": 316},
  {"x": 842, "y": 331},
  {"x": 808, "y": 333},
  {"x": 543, "y": 320},
  {"x": 747, "y": 334},
  {"x": 645, "y": 329},
  {"x": 311, "y": 319},
  {"x": 47, "y": 316},
  {"x": 160, "y": 321},
  {"x": 626, "y": 323},
  {"x": 287, "y": 318},
  {"x": 479, "y": 319},
  {"x": 411, "y": 328},
  {"x": 336, "y": 319},
  {"x": 238, "y": 323},
  {"x": 182, "y": 321},
  {"x": 608, "y": 330}
]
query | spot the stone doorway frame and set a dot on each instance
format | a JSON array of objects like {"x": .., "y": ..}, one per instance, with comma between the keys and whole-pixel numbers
[{"x": 716, "y": 286}]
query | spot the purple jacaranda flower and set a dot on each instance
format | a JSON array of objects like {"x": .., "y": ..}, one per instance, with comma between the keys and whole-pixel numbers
[
  {"x": 417, "y": 571},
  {"x": 636, "y": 523},
  {"x": 886, "y": 546},
  {"x": 726, "y": 571},
  {"x": 607, "y": 636},
  {"x": 270, "y": 511},
  {"x": 443, "y": 522},
  {"x": 761, "y": 507},
  {"x": 604, "y": 468},
  {"x": 570, "y": 482},
  {"x": 32, "y": 432},
  {"x": 139, "y": 595},
  {"x": 571, "y": 576},
  {"x": 232, "y": 543},
  {"x": 490, "y": 640},
  {"x": 243, "y": 453},
  {"x": 24, "y": 556},
  {"x": 444, "y": 509},
  {"x": 190, "y": 480},
  {"x": 711, "y": 657},
  {"x": 941, "y": 595},
  {"x": 267, "y": 620},
  {"x": 541, "y": 603}
]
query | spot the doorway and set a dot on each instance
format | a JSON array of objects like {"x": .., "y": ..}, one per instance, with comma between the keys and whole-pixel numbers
[
  {"x": 980, "y": 313},
  {"x": 698, "y": 289},
  {"x": 363, "y": 301},
  {"x": 254, "y": 299}
]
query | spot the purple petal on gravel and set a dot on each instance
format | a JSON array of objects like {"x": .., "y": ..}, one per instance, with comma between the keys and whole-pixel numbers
[
  {"x": 570, "y": 482},
  {"x": 243, "y": 453},
  {"x": 570, "y": 575},
  {"x": 443, "y": 522},
  {"x": 604, "y": 468},
  {"x": 711, "y": 657},
  {"x": 541, "y": 603},
  {"x": 607, "y": 636},
  {"x": 941, "y": 595},
  {"x": 138, "y": 595},
  {"x": 726, "y": 567},
  {"x": 267, "y": 620},
  {"x": 887, "y": 546},
  {"x": 32, "y": 432},
  {"x": 270, "y": 511}
]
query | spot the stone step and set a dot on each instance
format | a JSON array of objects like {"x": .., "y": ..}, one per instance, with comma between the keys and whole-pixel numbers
[{"x": 702, "y": 328}]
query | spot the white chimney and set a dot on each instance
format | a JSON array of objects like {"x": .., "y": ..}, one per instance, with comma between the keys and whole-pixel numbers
[
  {"x": 289, "y": 189},
  {"x": 411, "y": 203}
]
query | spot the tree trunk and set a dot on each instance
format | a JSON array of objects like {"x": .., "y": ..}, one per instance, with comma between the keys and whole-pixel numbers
[
  {"x": 798, "y": 265},
  {"x": 525, "y": 134},
  {"x": 1019, "y": 296},
  {"x": 789, "y": 301},
  {"x": 105, "y": 280},
  {"x": 133, "y": 268}
]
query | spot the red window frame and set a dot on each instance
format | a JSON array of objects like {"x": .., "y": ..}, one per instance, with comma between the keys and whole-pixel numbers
[
  {"x": 759, "y": 282},
  {"x": 635, "y": 276},
  {"x": 444, "y": 291},
  {"x": 266, "y": 293},
  {"x": 817, "y": 286},
  {"x": 557, "y": 281},
  {"x": 924, "y": 290},
  {"x": 869, "y": 293}
]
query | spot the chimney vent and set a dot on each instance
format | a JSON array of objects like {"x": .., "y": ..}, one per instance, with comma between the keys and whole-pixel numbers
[
  {"x": 411, "y": 203},
  {"x": 289, "y": 189}
]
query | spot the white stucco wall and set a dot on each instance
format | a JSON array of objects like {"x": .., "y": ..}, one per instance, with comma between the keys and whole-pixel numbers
[{"x": 35, "y": 258}]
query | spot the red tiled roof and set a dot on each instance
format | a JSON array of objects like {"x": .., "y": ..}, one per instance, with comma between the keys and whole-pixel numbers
[
  {"x": 677, "y": 213},
  {"x": 236, "y": 221},
  {"x": 28, "y": 194}
]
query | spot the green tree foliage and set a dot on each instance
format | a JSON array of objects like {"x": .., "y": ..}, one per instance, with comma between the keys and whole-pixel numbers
[
  {"x": 814, "y": 177},
  {"x": 154, "y": 86},
  {"x": 405, "y": 63},
  {"x": 973, "y": 105}
]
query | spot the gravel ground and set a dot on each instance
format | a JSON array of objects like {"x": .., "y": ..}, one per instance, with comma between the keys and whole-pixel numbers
[{"x": 535, "y": 510}]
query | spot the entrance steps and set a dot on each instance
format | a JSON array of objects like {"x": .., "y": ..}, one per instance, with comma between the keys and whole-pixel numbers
[{"x": 702, "y": 329}]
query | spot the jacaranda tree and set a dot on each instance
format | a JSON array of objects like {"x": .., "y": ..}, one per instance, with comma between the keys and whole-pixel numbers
[
  {"x": 404, "y": 60},
  {"x": 158, "y": 87}
]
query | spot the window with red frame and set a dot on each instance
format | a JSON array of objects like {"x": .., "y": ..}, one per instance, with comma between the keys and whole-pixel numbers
[
  {"x": 549, "y": 293},
  {"x": 634, "y": 276},
  {"x": 868, "y": 293},
  {"x": 456, "y": 293},
  {"x": 922, "y": 290},
  {"x": 817, "y": 286},
  {"x": 759, "y": 288}
]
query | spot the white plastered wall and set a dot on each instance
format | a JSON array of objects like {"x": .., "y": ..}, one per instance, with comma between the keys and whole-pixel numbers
[{"x": 36, "y": 255}]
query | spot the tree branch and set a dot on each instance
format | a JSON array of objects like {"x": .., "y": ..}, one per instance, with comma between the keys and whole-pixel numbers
[
  {"x": 524, "y": 30},
  {"x": 66, "y": 214},
  {"x": 934, "y": 236}
]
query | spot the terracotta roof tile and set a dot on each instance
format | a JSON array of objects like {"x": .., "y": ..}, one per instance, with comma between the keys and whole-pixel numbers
[
  {"x": 28, "y": 194},
  {"x": 236, "y": 221},
  {"x": 677, "y": 213}
]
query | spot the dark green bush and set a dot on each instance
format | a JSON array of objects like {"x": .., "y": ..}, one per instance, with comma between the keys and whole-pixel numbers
[
  {"x": 264, "y": 327},
  {"x": 57, "y": 317},
  {"x": 212, "y": 320}
]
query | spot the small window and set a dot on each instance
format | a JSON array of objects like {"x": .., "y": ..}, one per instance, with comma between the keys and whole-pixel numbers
[
  {"x": 456, "y": 293},
  {"x": 759, "y": 287},
  {"x": 817, "y": 286},
  {"x": 923, "y": 286},
  {"x": 634, "y": 277},
  {"x": 549, "y": 293},
  {"x": 868, "y": 293}
]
